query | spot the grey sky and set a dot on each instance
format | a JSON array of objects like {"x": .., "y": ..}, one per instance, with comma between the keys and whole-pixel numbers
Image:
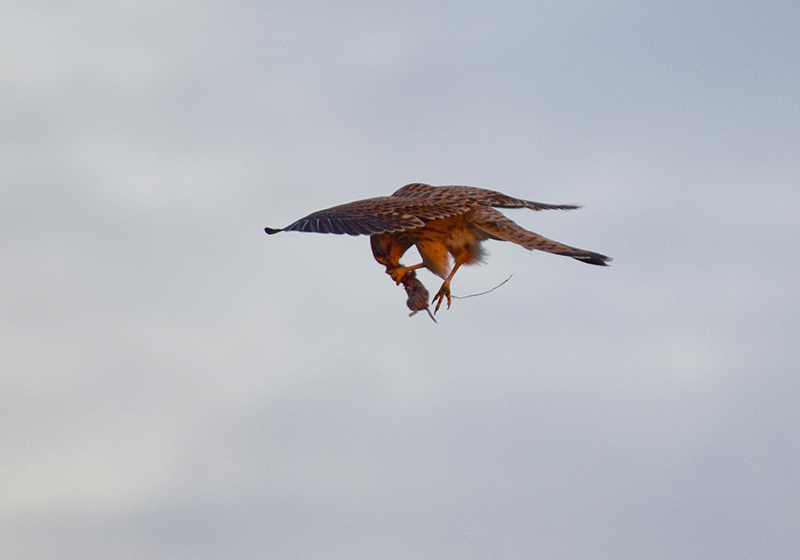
[{"x": 177, "y": 385}]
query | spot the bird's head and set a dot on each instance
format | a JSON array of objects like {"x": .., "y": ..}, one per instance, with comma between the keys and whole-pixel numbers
[
  {"x": 382, "y": 250},
  {"x": 387, "y": 248}
]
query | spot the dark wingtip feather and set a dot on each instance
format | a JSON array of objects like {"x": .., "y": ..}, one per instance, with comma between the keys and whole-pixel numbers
[
  {"x": 594, "y": 258},
  {"x": 542, "y": 206},
  {"x": 271, "y": 231}
]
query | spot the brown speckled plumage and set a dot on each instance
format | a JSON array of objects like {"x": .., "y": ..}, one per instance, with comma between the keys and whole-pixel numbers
[{"x": 443, "y": 222}]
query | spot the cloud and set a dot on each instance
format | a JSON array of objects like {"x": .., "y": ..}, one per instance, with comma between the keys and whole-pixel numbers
[{"x": 177, "y": 384}]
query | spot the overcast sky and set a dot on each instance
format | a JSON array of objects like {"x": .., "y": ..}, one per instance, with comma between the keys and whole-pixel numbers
[{"x": 177, "y": 385}]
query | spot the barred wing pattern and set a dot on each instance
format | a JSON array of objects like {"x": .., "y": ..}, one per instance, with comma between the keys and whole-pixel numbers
[
  {"x": 410, "y": 207},
  {"x": 374, "y": 215},
  {"x": 498, "y": 226},
  {"x": 471, "y": 197}
]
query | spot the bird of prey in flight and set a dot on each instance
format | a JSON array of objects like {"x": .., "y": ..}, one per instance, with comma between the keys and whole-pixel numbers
[{"x": 447, "y": 224}]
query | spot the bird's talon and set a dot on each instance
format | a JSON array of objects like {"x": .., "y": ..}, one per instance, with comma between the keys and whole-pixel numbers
[{"x": 444, "y": 292}]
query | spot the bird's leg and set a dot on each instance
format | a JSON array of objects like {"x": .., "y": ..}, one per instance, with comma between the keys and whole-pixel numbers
[
  {"x": 444, "y": 291},
  {"x": 399, "y": 272}
]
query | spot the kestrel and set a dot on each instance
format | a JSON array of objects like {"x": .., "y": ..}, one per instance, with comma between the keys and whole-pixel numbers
[{"x": 447, "y": 225}]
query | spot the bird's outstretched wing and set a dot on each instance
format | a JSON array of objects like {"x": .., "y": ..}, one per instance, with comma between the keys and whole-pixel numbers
[
  {"x": 498, "y": 226},
  {"x": 471, "y": 196},
  {"x": 375, "y": 215},
  {"x": 408, "y": 208}
]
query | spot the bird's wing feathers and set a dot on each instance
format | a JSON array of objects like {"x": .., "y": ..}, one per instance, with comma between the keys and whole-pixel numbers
[
  {"x": 408, "y": 208},
  {"x": 471, "y": 196},
  {"x": 374, "y": 215},
  {"x": 498, "y": 226}
]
